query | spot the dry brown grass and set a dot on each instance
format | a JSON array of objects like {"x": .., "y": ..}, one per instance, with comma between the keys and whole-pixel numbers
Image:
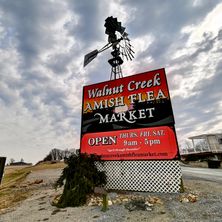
[
  {"x": 49, "y": 165},
  {"x": 12, "y": 190}
]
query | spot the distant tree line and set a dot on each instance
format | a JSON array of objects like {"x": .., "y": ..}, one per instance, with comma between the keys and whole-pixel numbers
[{"x": 57, "y": 154}]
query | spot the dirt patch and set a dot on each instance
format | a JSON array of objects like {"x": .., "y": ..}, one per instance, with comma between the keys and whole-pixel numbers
[{"x": 19, "y": 182}]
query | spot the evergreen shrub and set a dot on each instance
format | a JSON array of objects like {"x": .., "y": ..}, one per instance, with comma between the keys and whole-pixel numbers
[{"x": 79, "y": 178}]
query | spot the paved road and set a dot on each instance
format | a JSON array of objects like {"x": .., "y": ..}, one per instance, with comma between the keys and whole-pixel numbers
[{"x": 214, "y": 175}]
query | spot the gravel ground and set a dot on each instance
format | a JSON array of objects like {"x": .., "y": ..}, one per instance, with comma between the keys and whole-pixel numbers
[
  {"x": 37, "y": 207},
  {"x": 49, "y": 176}
]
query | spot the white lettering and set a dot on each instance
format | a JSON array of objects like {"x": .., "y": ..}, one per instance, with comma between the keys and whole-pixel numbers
[
  {"x": 132, "y": 85},
  {"x": 101, "y": 118},
  {"x": 133, "y": 116},
  {"x": 105, "y": 140},
  {"x": 160, "y": 95},
  {"x": 105, "y": 91}
]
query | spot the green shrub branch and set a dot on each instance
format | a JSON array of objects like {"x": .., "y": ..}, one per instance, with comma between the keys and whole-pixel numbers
[{"x": 79, "y": 178}]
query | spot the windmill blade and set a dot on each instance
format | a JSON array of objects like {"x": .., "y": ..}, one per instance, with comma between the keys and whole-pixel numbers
[
  {"x": 129, "y": 49},
  {"x": 129, "y": 52},
  {"x": 128, "y": 42},
  {"x": 126, "y": 50},
  {"x": 90, "y": 56},
  {"x": 129, "y": 46},
  {"x": 125, "y": 54}
]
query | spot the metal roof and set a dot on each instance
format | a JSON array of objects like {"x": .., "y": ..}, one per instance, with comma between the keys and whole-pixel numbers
[{"x": 205, "y": 135}]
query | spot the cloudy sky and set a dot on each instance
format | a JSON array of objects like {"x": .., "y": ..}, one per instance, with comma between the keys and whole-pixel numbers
[{"x": 42, "y": 46}]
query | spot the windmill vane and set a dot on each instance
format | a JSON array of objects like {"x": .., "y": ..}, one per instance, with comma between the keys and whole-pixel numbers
[{"x": 120, "y": 43}]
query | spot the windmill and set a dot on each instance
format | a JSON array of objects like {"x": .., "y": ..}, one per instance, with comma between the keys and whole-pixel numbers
[{"x": 121, "y": 47}]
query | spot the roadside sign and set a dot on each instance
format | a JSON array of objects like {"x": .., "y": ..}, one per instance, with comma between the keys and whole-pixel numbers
[
  {"x": 2, "y": 166},
  {"x": 129, "y": 106}
]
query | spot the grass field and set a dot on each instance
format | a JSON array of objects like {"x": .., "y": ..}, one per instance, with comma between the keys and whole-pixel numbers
[{"x": 12, "y": 189}]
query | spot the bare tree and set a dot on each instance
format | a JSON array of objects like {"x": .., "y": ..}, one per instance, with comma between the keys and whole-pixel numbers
[{"x": 11, "y": 161}]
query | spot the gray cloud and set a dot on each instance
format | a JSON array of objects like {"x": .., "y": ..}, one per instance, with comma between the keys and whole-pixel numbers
[
  {"x": 41, "y": 53},
  {"x": 164, "y": 21},
  {"x": 30, "y": 22},
  {"x": 89, "y": 20}
]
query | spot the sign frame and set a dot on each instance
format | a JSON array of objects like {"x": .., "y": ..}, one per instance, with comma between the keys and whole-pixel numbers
[{"x": 169, "y": 124}]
